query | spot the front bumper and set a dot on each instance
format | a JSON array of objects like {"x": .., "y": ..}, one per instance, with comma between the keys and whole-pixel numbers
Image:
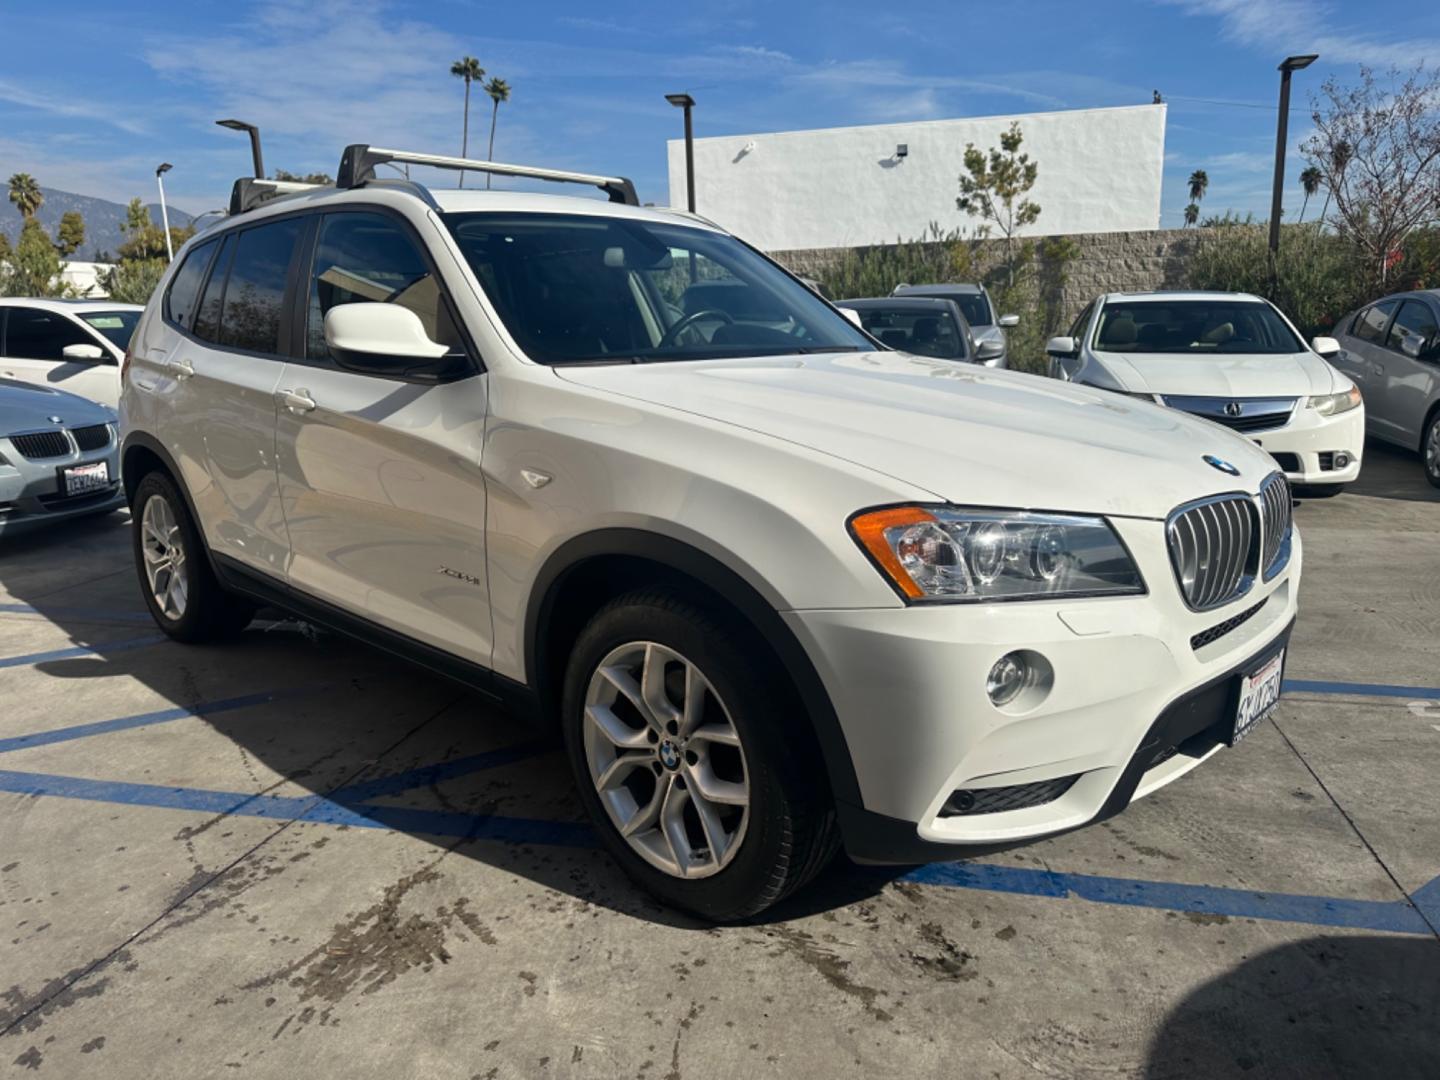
[
  {"x": 908, "y": 688},
  {"x": 1305, "y": 448},
  {"x": 30, "y": 495}
]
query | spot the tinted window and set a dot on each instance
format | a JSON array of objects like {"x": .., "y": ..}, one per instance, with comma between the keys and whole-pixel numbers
[
  {"x": 117, "y": 326},
  {"x": 207, "y": 316},
  {"x": 576, "y": 288},
  {"x": 1194, "y": 328},
  {"x": 183, "y": 295},
  {"x": 32, "y": 334},
  {"x": 924, "y": 333},
  {"x": 371, "y": 258},
  {"x": 255, "y": 293},
  {"x": 1370, "y": 326},
  {"x": 1415, "y": 322}
]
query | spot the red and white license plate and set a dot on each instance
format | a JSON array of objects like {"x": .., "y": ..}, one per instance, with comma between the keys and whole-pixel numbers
[
  {"x": 82, "y": 479},
  {"x": 1259, "y": 695}
]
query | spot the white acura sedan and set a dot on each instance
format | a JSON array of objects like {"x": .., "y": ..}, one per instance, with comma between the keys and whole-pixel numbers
[{"x": 1232, "y": 358}]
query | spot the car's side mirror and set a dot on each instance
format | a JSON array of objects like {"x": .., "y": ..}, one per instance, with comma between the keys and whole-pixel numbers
[
  {"x": 1326, "y": 346},
  {"x": 87, "y": 354},
  {"x": 1008, "y": 321},
  {"x": 1413, "y": 346},
  {"x": 381, "y": 339},
  {"x": 1062, "y": 346},
  {"x": 989, "y": 350},
  {"x": 852, "y": 315}
]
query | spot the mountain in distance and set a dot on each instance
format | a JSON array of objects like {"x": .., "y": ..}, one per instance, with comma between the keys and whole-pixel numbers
[{"x": 102, "y": 220}]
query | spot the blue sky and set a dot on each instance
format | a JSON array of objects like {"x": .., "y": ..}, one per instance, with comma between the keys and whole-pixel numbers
[{"x": 105, "y": 91}]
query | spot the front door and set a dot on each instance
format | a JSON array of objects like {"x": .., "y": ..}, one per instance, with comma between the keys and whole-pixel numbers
[
  {"x": 1412, "y": 378},
  {"x": 34, "y": 352},
  {"x": 380, "y": 474},
  {"x": 1364, "y": 360}
]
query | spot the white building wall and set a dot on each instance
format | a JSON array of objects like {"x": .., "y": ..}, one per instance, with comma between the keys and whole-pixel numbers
[{"x": 1099, "y": 171}]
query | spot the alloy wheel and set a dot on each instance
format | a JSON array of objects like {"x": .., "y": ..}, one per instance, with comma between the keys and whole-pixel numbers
[
  {"x": 1432, "y": 450},
  {"x": 164, "y": 551},
  {"x": 666, "y": 760}
]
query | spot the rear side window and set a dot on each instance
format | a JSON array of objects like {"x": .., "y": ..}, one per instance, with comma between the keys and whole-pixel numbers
[
  {"x": 1416, "y": 322},
  {"x": 255, "y": 291},
  {"x": 1370, "y": 326},
  {"x": 33, "y": 334},
  {"x": 365, "y": 257},
  {"x": 183, "y": 296},
  {"x": 207, "y": 315}
]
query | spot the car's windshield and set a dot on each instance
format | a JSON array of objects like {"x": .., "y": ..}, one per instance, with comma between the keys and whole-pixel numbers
[
  {"x": 115, "y": 325},
  {"x": 925, "y": 332},
  {"x": 574, "y": 288},
  {"x": 1195, "y": 328}
]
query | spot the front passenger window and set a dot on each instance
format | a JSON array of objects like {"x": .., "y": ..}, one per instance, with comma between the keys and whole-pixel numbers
[
  {"x": 366, "y": 257},
  {"x": 1370, "y": 326}
]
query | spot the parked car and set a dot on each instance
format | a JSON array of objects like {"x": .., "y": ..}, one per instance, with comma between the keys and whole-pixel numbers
[
  {"x": 73, "y": 345},
  {"x": 777, "y": 589},
  {"x": 920, "y": 325},
  {"x": 1392, "y": 350},
  {"x": 1232, "y": 358},
  {"x": 992, "y": 345},
  {"x": 59, "y": 457}
]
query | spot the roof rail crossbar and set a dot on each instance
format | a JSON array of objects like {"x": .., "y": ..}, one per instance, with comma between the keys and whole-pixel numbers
[
  {"x": 250, "y": 192},
  {"x": 360, "y": 159}
]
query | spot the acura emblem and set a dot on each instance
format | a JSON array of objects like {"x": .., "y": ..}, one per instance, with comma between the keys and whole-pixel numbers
[
  {"x": 1221, "y": 464},
  {"x": 1233, "y": 408}
]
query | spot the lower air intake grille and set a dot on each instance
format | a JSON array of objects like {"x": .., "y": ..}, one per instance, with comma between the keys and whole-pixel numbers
[
  {"x": 42, "y": 444},
  {"x": 970, "y": 801},
  {"x": 91, "y": 438},
  {"x": 1216, "y": 632},
  {"x": 1287, "y": 461}
]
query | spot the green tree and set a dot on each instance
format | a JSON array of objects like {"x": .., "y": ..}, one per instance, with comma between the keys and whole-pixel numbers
[
  {"x": 1310, "y": 180},
  {"x": 304, "y": 178},
  {"x": 469, "y": 69},
  {"x": 25, "y": 193},
  {"x": 1199, "y": 184},
  {"x": 33, "y": 266},
  {"x": 141, "y": 259},
  {"x": 499, "y": 91},
  {"x": 1192, "y": 214},
  {"x": 70, "y": 233},
  {"x": 994, "y": 187},
  {"x": 132, "y": 282}
]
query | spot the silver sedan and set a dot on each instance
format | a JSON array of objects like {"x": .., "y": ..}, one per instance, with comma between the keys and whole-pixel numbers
[{"x": 59, "y": 457}]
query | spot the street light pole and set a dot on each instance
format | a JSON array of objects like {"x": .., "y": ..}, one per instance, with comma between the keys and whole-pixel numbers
[
  {"x": 160, "y": 172},
  {"x": 254, "y": 133},
  {"x": 686, "y": 102},
  {"x": 1288, "y": 65}
]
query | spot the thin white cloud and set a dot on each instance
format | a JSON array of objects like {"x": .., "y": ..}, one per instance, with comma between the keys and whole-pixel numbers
[
  {"x": 69, "y": 108},
  {"x": 1305, "y": 26}
]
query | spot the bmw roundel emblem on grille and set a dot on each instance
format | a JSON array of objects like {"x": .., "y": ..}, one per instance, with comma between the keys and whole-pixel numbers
[
  {"x": 1221, "y": 464},
  {"x": 1233, "y": 408},
  {"x": 55, "y": 419}
]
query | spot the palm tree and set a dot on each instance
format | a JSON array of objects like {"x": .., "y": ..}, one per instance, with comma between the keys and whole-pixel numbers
[
  {"x": 499, "y": 90},
  {"x": 1310, "y": 179},
  {"x": 1339, "y": 158},
  {"x": 1192, "y": 214},
  {"x": 1199, "y": 182},
  {"x": 25, "y": 193},
  {"x": 469, "y": 69}
]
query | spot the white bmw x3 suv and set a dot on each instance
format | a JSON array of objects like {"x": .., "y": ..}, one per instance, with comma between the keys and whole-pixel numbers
[
  {"x": 780, "y": 589},
  {"x": 1232, "y": 358}
]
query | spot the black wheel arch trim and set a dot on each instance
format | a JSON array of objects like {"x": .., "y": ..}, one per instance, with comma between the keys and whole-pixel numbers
[{"x": 708, "y": 571}]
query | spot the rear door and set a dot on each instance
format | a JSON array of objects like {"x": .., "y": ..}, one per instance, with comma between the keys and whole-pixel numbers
[
  {"x": 219, "y": 379},
  {"x": 1412, "y": 379},
  {"x": 380, "y": 471},
  {"x": 35, "y": 340}
]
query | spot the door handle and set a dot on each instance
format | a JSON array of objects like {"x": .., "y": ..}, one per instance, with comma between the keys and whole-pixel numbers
[
  {"x": 297, "y": 401},
  {"x": 181, "y": 369}
]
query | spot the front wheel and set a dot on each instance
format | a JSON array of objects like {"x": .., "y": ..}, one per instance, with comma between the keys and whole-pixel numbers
[
  {"x": 688, "y": 748},
  {"x": 1430, "y": 450}
]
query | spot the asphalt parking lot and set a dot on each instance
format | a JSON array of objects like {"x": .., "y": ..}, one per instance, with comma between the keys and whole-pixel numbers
[{"x": 295, "y": 857}]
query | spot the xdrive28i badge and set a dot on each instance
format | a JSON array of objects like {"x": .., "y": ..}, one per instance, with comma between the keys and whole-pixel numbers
[{"x": 1221, "y": 464}]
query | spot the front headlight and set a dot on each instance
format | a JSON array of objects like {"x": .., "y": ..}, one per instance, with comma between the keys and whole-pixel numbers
[
  {"x": 945, "y": 554},
  {"x": 1330, "y": 404}
]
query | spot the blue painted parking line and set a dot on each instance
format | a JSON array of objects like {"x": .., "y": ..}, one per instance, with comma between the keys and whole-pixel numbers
[
  {"x": 1307, "y": 686},
  {"x": 160, "y": 716},
  {"x": 104, "y": 649}
]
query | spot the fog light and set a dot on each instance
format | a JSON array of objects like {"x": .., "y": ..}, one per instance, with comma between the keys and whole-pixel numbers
[
  {"x": 1009, "y": 676},
  {"x": 1342, "y": 459}
]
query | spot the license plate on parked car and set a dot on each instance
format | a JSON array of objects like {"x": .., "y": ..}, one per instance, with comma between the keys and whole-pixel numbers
[
  {"x": 81, "y": 479},
  {"x": 1259, "y": 695}
]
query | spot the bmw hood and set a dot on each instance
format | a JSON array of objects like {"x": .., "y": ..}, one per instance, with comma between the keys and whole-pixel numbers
[
  {"x": 969, "y": 435},
  {"x": 26, "y": 407},
  {"x": 1253, "y": 375}
]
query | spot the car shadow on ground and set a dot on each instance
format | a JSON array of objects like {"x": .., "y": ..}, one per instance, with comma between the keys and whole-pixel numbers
[
  {"x": 514, "y": 810},
  {"x": 1322, "y": 1006},
  {"x": 1391, "y": 472}
]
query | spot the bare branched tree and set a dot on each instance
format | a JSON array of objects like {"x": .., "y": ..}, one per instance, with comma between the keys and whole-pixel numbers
[{"x": 1379, "y": 153}]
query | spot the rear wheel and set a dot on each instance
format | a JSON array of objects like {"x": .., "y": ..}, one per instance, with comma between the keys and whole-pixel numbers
[
  {"x": 179, "y": 587},
  {"x": 1430, "y": 449},
  {"x": 688, "y": 748}
]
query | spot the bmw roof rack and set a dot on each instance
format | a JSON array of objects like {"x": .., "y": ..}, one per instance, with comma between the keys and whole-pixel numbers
[
  {"x": 250, "y": 192},
  {"x": 360, "y": 160}
]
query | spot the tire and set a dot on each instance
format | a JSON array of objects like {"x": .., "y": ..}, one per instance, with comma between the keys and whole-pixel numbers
[
  {"x": 1318, "y": 491},
  {"x": 1430, "y": 449},
  {"x": 179, "y": 587},
  {"x": 736, "y": 860}
]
